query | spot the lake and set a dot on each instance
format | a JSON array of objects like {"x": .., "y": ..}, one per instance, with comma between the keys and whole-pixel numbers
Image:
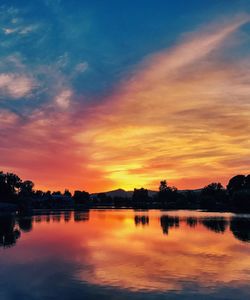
[{"x": 125, "y": 254}]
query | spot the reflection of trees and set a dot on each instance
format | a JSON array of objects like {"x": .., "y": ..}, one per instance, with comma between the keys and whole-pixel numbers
[
  {"x": 38, "y": 219},
  {"x": 81, "y": 216},
  {"x": 47, "y": 218},
  {"x": 56, "y": 217},
  {"x": 67, "y": 216},
  {"x": 240, "y": 228},
  {"x": 42, "y": 217},
  {"x": 8, "y": 232},
  {"x": 218, "y": 224},
  {"x": 25, "y": 223},
  {"x": 141, "y": 220},
  {"x": 192, "y": 221},
  {"x": 168, "y": 222}
]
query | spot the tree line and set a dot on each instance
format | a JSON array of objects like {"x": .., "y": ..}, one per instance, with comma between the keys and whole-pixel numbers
[{"x": 234, "y": 197}]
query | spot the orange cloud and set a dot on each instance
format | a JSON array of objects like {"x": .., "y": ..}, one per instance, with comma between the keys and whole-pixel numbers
[{"x": 183, "y": 114}]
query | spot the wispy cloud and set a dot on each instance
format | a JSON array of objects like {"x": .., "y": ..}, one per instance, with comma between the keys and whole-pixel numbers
[
  {"x": 12, "y": 22},
  {"x": 81, "y": 67},
  {"x": 9, "y": 30},
  {"x": 7, "y": 118},
  {"x": 64, "y": 98},
  {"x": 15, "y": 85}
]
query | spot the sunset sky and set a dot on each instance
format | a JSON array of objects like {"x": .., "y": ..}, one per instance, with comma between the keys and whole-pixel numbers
[{"x": 99, "y": 95}]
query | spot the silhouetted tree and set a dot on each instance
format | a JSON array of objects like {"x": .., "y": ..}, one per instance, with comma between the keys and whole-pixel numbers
[
  {"x": 247, "y": 182},
  {"x": 236, "y": 183},
  {"x": 26, "y": 188},
  {"x": 163, "y": 186},
  {"x": 9, "y": 186},
  {"x": 239, "y": 190},
  {"x": 39, "y": 194},
  {"x": 104, "y": 199},
  {"x": 67, "y": 193},
  {"x": 191, "y": 199},
  {"x": 241, "y": 200},
  {"x": 167, "y": 195},
  {"x": 213, "y": 195},
  {"x": 81, "y": 197},
  {"x": 57, "y": 193},
  {"x": 140, "y": 198},
  {"x": 122, "y": 202}
]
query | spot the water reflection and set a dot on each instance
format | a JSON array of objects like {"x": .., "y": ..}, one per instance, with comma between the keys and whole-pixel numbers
[
  {"x": 141, "y": 220},
  {"x": 81, "y": 216},
  {"x": 168, "y": 222},
  {"x": 177, "y": 253},
  {"x": 8, "y": 232},
  {"x": 192, "y": 221},
  {"x": 11, "y": 226},
  {"x": 217, "y": 224},
  {"x": 25, "y": 223},
  {"x": 240, "y": 228},
  {"x": 67, "y": 216}
]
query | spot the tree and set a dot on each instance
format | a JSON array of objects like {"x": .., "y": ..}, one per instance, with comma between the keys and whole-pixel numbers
[
  {"x": 236, "y": 183},
  {"x": 39, "y": 193},
  {"x": 140, "y": 195},
  {"x": 67, "y": 193},
  {"x": 163, "y": 186},
  {"x": 212, "y": 188},
  {"x": 213, "y": 195},
  {"x": 239, "y": 190},
  {"x": 241, "y": 200},
  {"x": 167, "y": 194},
  {"x": 13, "y": 181},
  {"x": 26, "y": 188},
  {"x": 9, "y": 186},
  {"x": 247, "y": 182},
  {"x": 81, "y": 197},
  {"x": 57, "y": 193}
]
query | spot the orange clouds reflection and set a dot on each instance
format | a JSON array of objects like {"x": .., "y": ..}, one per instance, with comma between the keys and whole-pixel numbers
[
  {"x": 140, "y": 258},
  {"x": 183, "y": 251}
]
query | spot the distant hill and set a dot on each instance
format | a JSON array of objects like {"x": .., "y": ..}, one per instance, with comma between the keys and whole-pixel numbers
[
  {"x": 128, "y": 194},
  {"x": 123, "y": 193}
]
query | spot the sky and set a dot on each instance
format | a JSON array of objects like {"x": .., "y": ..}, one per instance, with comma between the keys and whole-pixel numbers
[{"x": 98, "y": 95}]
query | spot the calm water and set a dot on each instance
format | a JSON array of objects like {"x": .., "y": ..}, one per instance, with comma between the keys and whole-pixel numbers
[{"x": 116, "y": 254}]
